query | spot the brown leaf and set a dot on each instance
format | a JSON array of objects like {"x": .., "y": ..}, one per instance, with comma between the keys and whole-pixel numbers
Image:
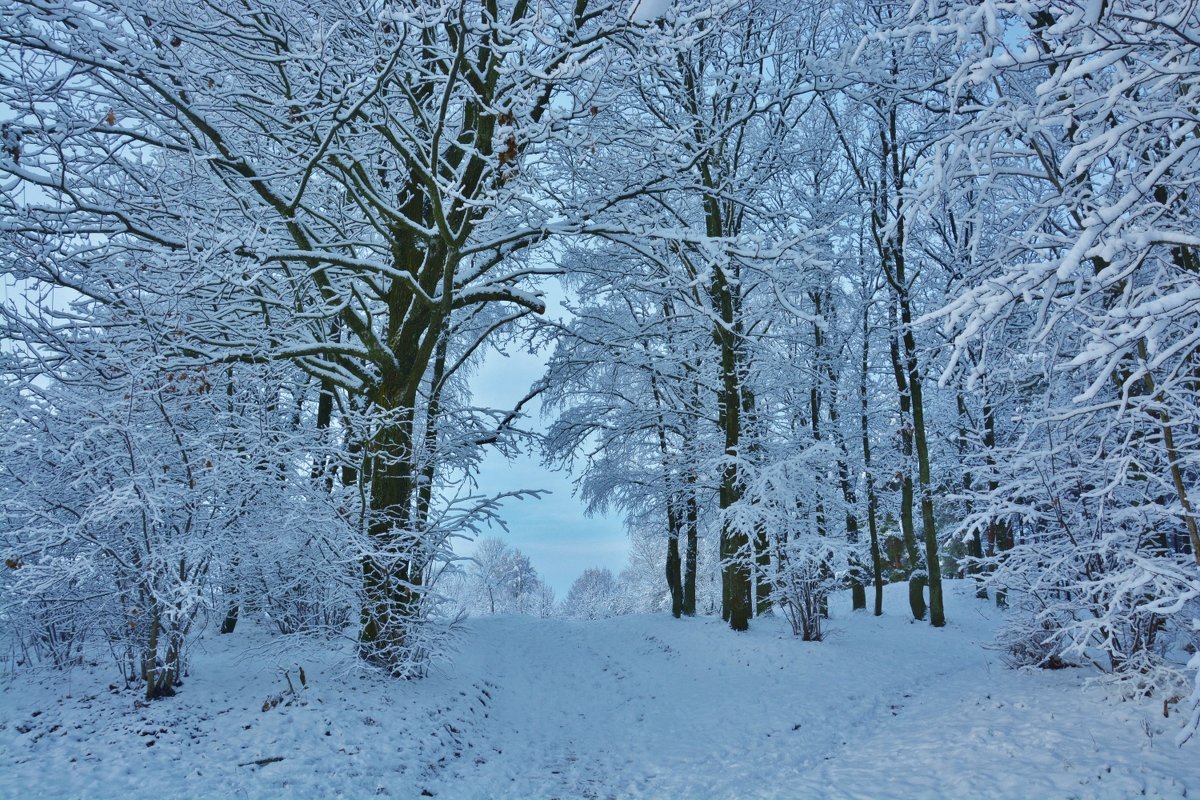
[{"x": 509, "y": 154}]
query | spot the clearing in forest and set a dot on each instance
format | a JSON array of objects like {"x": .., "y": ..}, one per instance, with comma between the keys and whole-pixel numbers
[{"x": 637, "y": 707}]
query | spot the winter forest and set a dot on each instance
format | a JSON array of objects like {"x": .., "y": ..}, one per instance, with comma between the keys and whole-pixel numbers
[{"x": 881, "y": 335}]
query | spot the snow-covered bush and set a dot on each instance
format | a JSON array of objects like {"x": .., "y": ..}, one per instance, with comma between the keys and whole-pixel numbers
[
  {"x": 1193, "y": 722},
  {"x": 320, "y": 598},
  {"x": 802, "y": 585},
  {"x": 789, "y": 503},
  {"x": 1096, "y": 563},
  {"x": 118, "y": 498},
  {"x": 143, "y": 490}
]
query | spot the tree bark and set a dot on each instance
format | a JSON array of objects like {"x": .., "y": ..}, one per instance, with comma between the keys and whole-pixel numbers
[
  {"x": 735, "y": 544},
  {"x": 858, "y": 592},
  {"x": 692, "y": 522},
  {"x": 391, "y": 572},
  {"x": 937, "y": 613},
  {"x": 670, "y": 500},
  {"x": 997, "y": 536},
  {"x": 975, "y": 545},
  {"x": 865, "y": 429},
  {"x": 916, "y": 579},
  {"x": 674, "y": 579}
]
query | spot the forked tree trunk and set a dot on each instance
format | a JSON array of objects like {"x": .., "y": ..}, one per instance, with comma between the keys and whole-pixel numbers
[
  {"x": 916, "y": 579},
  {"x": 160, "y": 670},
  {"x": 933, "y": 566}
]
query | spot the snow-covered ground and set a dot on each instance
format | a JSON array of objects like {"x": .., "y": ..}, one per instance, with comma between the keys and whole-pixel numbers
[{"x": 640, "y": 707}]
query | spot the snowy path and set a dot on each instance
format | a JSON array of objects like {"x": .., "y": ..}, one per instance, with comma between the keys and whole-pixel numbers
[
  {"x": 636, "y": 707},
  {"x": 583, "y": 710},
  {"x": 655, "y": 707}
]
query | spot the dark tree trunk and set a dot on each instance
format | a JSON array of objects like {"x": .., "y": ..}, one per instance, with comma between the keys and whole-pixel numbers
[
  {"x": 916, "y": 579},
  {"x": 674, "y": 579},
  {"x": 674, "y": 564},
  {"x": 391, "y": 573},
  {"x": 975, "y": 544},
  {"x": 876, "y": 556},
  {"x": 894, "y": 269},
  {"x": 865, "y": 429},
  {"x": 735, "y": 545},
  {"x": 762, "y": 572},
  {"x": 692, "y": 522},
  {"x": 996, "y": 535},
  {"x": 229, "y": 624},
  {"x": 723, "y": 287},
  {"x": 933, "y": 566}
]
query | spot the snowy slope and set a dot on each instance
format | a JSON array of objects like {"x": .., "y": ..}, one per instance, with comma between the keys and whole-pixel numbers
[{"x": 641, "y": 707}]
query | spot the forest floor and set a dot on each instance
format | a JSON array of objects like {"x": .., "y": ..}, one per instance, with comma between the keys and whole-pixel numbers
[{"x": 637, "y": 707}]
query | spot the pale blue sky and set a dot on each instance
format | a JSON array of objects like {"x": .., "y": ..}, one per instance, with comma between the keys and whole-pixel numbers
[{"x": 553, "y": 531}]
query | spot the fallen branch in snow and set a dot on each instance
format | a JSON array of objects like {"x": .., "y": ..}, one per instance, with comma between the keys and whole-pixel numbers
[{"x": 262, "y": 762}]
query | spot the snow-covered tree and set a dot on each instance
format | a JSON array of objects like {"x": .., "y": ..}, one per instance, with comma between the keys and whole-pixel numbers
[
  {"x": 363, "y": 178},
  {"x": 593, "y": 595},
  {"x": 501, "y": 579},
  {"x": 1072, "y": 166}
]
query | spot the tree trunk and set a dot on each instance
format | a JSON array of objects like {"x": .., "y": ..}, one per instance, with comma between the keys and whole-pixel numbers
[
  {"x": 762, "y": 572},
  {"x": 975, "y": 545},
  {"x": 865, "y": 428},
  {"x": 391, "y": 575},
  {"x": 231, "y": 614},
  {"x": 674, "y": 580},
  {"x": 916, "y": 579},
  {"x": 674, "y": 563},
  {"x": 997, "y": 537},
  {"x": 933, "y": 568},
  {"x": 671, "y": 499},
  {"x": 735, "y": 545},
  {"x": 858, "y": 592},
  {"x": 692, "y": 521},
  {"x": 160, "y": 671},
  {"x": 1159, "y": 413}
]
